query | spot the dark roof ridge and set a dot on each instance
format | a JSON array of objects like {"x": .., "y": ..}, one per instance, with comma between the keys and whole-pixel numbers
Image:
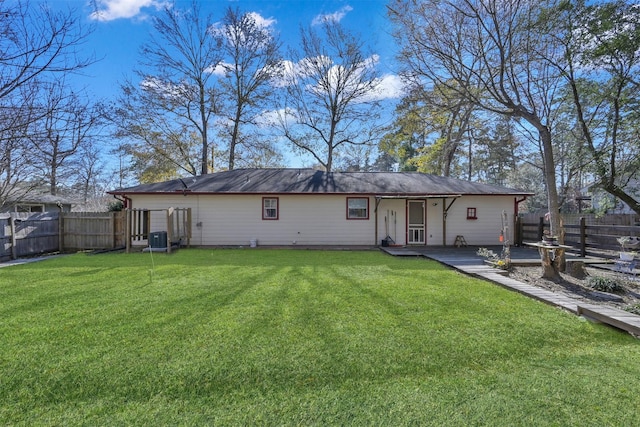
[{"x": 313, "y": 181}]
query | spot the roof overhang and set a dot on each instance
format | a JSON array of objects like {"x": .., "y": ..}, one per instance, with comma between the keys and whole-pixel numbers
[{"x": 417, "y": 196}]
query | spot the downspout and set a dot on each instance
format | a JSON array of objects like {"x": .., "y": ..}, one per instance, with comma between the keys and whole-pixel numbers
[{"x": 516, "y": 205}]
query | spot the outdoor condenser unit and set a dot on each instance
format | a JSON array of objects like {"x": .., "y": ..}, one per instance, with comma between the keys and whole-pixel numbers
[{"x": 158, "y": 239}]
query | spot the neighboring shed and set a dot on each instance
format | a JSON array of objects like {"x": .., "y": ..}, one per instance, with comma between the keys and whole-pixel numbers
[{"x": 309, "y": 207}]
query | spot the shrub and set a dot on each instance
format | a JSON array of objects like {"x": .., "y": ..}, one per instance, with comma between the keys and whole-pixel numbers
[
  {"x": 633, "y": 308},
  {"x": 116, "y": 206},
  {"x": 605, "y": 284}
]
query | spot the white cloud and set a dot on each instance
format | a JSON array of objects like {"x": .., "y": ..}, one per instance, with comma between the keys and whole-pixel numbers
[
  {"x": 109, "y": 10},
  {"x": 390, "y": 86},
  {"x": 260, "y": 21},
  {"x": 271, "y": 118},
  {"x": 240, "y": 35},
  {"x": 220, "y": 69},
  {"x": 332, "y": 17}
]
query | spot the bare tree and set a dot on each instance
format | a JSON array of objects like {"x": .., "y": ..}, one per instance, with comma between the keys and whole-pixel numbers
[
  {"x": 175, "y": 96},
  {"x": 35, "y": 42},
  {"x": 36, "y": 45},
  {"x": 331, "y": 97},
  {"x": 16, "y": 163},
  {"x": 483, "y": 50},
  {"x": 66, "y": 123},
  {"x": 251, "y": 61}
]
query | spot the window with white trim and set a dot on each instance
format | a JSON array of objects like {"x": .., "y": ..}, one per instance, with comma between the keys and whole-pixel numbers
[
  {"x": 357, "y": 208},
  {"x": 270, "y": 208}
]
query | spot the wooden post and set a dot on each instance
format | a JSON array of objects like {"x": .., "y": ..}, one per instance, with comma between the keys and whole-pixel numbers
[
  {"x": 112, "y": 227},
  {"x": 444, "y": 221},
  {"x": 583, "y": 237},
  {"x": 540, "y": 228},
  {"x": 187, "y": 226},
  {"x": 12, "y": 228},
  {"x": 127, "y": 230},
  {"x": 169, "y": 229},
  {"x": 60, "y": 232}
]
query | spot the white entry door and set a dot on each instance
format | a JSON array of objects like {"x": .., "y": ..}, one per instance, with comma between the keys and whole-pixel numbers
[{"x": 416, "y": 222}]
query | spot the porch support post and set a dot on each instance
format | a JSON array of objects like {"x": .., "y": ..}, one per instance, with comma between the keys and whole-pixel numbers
[
  {"x": 445, "y": 211},
  {"x": 375, "y": 241},
  {"x": 444, "y": 221}
]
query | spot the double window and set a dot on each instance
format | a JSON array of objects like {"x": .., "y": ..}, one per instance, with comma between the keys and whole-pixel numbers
[
  {"x": 357, "y": 208},
  {"x": 270, "y": 208}
]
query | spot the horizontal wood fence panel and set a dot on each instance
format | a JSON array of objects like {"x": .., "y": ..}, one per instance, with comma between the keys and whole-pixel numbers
[
  {"x": 590, "y": 219},
  {"x": 582, "y": 235}
]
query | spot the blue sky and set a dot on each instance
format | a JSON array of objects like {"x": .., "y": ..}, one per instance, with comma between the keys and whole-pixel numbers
[{"x": 121, "y": 26}]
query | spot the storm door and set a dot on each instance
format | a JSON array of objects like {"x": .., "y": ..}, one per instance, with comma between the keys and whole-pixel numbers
[{"x": 416, "y": 222}]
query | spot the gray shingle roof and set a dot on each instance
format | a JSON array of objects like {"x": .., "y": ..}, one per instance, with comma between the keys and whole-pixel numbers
[{"x": 309, "y": 181}]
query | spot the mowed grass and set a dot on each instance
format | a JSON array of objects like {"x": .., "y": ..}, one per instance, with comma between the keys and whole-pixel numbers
[{"x": 297, "y": 337}]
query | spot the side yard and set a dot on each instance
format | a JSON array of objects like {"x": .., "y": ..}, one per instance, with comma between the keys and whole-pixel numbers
[{"x": 293, "y": 337}]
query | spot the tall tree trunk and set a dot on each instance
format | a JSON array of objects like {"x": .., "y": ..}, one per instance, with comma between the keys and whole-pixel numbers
[{"x": 234, "y": 137}]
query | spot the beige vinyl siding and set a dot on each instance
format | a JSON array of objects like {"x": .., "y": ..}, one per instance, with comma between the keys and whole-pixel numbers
[
  {"x": 485, "y": 230},
  {"x": 395, "y": 211},
  {"x": 237, "y": 219},
  {"x": 434, "y": 221}
]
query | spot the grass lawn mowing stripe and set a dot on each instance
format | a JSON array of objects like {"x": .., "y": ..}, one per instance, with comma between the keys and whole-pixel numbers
[{"x": 292, "y": 337}]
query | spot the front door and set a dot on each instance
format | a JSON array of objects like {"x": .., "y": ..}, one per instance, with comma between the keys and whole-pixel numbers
[{"x": 415, "y": 225}]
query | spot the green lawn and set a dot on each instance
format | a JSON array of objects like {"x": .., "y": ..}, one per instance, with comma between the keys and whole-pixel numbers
[{"x": 297, "y": 337}]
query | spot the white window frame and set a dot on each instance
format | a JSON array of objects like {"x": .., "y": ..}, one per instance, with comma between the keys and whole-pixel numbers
[
  {"x": 352, "y": 210},
  {"x": 270, "y": 208}
]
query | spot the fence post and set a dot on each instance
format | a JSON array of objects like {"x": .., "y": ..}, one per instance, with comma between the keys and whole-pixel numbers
[
  {"x": 540, "y": 228},
  {"x": 188, "y": 226},
  {"x": 583, "y": 237},
  {"x": 169, "y": 228},
  {"x": 12, "y": 230},
  {"x": 112, "y": 227},
  {"x": 127, "y": 230},
  {"x": 60, "y": 232}
]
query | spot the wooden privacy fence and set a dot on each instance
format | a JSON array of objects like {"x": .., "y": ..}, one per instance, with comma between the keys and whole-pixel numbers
[
  {"x": 25, "y": 234},
  {"x": 92, "y": 230},
  {"x": 589, "y": 235}
]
